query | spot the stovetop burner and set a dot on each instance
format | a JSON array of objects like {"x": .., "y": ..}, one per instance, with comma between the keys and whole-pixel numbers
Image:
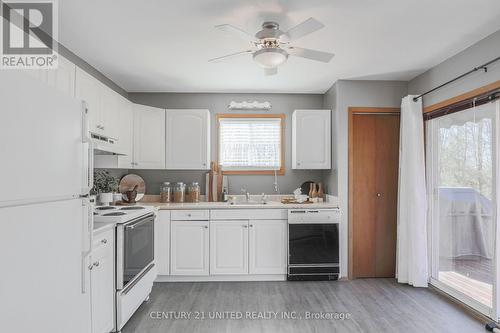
[
  {"x": 105, "y": 208},
  {"x": 132, "y": 208},
  {"x": 114, "y": 214}
]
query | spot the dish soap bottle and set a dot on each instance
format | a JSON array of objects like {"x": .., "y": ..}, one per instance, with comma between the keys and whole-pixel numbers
[{"x": 224, "y": 195}]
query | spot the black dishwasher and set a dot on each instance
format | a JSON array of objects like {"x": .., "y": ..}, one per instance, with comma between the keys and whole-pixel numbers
[{"x": 313, "y": 244}]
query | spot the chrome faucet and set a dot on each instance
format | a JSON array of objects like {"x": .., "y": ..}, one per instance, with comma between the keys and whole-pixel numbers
[{"x": 245, "y": 192}]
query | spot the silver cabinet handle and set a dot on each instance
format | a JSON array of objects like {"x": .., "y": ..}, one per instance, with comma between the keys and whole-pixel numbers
[
  {"x": 96, "y": 264},
  {"x": 205, "y": 226},
  {"x": 244, "y": 226},
  {"x": 251, "y": 225},
  {"x": 379, "y": 195},
  {"x": 91, "y": 266},
  {"x": 104, "y": 240},
  {"x": 189, "y": 214}
]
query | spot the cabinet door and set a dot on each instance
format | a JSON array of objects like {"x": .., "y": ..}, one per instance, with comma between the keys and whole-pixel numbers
[
  {"x": 229, "y": 247},
  {"x": 63, "y": 77},
  {"x": 149, "y": 137},
  {"x": 126, "y": 134},
  {"x": 102, "y": 288},
  {"x": 311, "y": 139},
  {"x": 268, "y": 246},
  {"x": 88, "y": 89},
  {"x": 188, "y": 139},
  {"x": 110, "y": 112},
  {"x": 162, "y": 242},
  {"x": 189, "y": 248}
]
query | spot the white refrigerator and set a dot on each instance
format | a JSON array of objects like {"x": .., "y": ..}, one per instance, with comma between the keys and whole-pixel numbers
[{"x": 45, "y": 217}]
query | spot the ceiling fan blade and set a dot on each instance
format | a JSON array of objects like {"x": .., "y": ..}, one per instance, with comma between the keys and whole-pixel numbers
[
  {"x": 305, "y": 28},
  {"x": 229, "y": 56},
  {"x": 310, "y": 54},
  {"x": 270, "y": 71},
  {"x": 236, "y": 31}
]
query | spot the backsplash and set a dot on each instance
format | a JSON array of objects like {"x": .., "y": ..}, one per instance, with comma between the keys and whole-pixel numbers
[{"x": 254, "y": 184}]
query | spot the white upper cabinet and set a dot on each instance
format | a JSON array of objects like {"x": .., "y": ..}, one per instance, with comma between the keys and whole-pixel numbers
[
  {"x": 103, "y": 102},
  {"x": 229, "y": 247},
  {"x": 267, "y": 246},
  {"x": 63, "y": 77},
  {"x": 110, "y": 112},
  {"x": 188, "y": 139},
  {"x": 149, "y": 137},
  {"x": 126, "y": 133},
  {"x": 311, "y": 139},
  {"x": 88, "y": 89}
]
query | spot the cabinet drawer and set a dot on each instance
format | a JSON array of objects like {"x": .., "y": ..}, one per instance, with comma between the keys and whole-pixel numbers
[
  {"x": 190, "y": 215},
  {"x": 103, "y": 239},
  {"x": 248, "y": 214}
]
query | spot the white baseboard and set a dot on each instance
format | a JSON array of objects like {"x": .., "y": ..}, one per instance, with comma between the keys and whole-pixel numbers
[{"x": 220, "y": 278}]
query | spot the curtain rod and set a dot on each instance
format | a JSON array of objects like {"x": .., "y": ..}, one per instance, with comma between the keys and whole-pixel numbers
[
  {"x": 463, "y": 105},
  {"x": 475, "y": 69}
]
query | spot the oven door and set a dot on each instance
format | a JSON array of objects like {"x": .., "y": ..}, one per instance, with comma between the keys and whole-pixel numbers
[
  {"x": 313, "y": 244},
  {"x": 136, "y": 249}
]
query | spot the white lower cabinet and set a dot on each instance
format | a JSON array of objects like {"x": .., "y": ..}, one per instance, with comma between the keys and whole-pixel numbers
[
  {"x": 162, "y": 242},
  {"x": 267, "y": 246},
  {"x": 102, "y": 282},
  {"x": 234, "y": 243},
  {"x": 189, "y": 248},
  {"x": 229, "y": 247}
]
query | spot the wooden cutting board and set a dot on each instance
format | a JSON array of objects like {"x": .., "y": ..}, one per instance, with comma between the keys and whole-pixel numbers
[{"x": 128, "y": 182}]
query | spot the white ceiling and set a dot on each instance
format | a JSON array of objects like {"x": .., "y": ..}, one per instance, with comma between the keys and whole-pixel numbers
[{"x": 164, "y": 45}]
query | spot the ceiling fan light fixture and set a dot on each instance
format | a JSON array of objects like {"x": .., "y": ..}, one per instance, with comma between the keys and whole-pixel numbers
[{"x": 270, "y": 57}]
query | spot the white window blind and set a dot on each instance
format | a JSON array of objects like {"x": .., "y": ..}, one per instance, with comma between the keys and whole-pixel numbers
[{"x": 250, "y": 143}]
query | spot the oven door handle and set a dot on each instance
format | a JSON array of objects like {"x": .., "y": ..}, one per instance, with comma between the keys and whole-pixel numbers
[{"x": 138, "y": 223}]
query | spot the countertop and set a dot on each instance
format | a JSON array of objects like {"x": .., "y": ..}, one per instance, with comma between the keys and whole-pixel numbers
[{"x": 225, "y": 205}]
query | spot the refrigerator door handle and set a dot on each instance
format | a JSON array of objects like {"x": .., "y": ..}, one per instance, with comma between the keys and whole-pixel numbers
[
  {"x": 88, "y": 226},
  {"x": 87, "y": 139}
]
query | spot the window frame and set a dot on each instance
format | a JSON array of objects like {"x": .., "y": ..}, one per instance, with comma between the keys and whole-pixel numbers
[{"x": 280, "y": 116}]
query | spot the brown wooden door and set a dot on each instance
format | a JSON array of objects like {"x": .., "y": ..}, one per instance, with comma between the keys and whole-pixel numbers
[{"x": 374, "y": 168}]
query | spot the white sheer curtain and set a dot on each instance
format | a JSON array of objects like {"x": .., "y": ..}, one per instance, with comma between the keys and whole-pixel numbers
[{"x": 412, "y": 260}]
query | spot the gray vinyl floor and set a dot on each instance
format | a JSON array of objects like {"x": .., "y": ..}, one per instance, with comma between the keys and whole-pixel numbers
[{"x": 365, "y": 305}]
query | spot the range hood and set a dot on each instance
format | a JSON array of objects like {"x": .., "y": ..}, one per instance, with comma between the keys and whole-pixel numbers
[{"x": 106, "y": 146}]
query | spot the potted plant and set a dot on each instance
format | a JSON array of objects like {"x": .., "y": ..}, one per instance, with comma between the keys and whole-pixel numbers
[{"x": 104, "y": 186}]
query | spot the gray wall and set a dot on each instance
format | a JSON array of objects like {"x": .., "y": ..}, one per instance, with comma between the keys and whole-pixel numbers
[
  {"x": 330, "y": 177},
  {"x": 217, "y": 103},
  {"x": 478, "y": 54},
  {"x": 340, "y": 97}
]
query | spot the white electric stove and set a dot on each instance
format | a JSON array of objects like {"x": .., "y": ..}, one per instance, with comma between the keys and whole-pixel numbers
[
  {"x": 120, "y": 214},
  {"x": 135, "y": 268}
]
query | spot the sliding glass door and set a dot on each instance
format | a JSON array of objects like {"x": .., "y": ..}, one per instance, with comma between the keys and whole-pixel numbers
[{"x": 462, "y": 170}]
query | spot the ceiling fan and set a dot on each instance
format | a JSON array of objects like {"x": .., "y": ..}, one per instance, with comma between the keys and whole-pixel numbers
[{"x": 271, "y": 46}]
